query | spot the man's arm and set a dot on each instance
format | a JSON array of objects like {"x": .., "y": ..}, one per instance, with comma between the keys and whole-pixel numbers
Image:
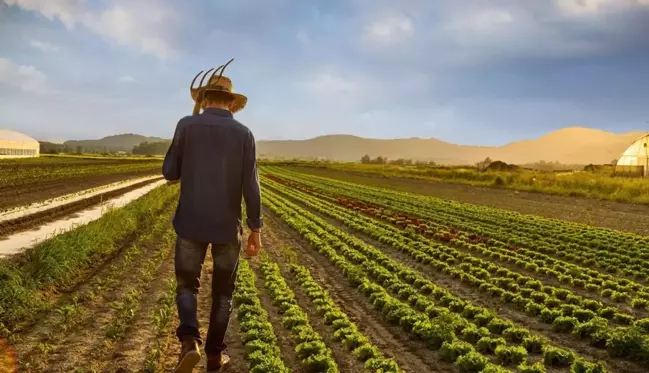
[
  {"x": 173, "y": 160},
  {"x": 251, "y": 193}
]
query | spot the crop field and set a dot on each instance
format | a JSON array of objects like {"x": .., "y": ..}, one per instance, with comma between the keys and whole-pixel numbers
[
  {"x": 599, "y": 183},
  {"x": 632, "y": 216},
  {"x": 352, "y": 278},
  {"x": 28, "y": 180}
]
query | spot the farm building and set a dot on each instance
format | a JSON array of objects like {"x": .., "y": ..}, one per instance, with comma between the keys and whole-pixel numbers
[
  {"x": 635, "y": 159},
  {"x": 17, "y": 145}
]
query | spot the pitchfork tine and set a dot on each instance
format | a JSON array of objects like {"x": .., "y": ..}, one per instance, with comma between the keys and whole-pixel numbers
[
  {"x": 223, "y": 69},
  {"x": 200, "y": 85},
  {"x": 191, "y": 86},
  {"x": 214, "y": 73}
]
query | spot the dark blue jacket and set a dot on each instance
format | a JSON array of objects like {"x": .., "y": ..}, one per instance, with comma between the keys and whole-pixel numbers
[{"x": 214, "y": 157}]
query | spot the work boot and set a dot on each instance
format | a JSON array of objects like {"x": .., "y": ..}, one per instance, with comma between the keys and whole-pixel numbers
[
  {"x": 189, "y": 356},
  {"x": 217, "y": 363}
]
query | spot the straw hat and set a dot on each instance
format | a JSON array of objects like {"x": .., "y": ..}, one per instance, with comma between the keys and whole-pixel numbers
[{"x": 216, "y": 83}]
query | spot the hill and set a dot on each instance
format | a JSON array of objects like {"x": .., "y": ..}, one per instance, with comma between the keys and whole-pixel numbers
[
  {"x": 124, "y": 142},
  {"x": 574, "y": 145}
]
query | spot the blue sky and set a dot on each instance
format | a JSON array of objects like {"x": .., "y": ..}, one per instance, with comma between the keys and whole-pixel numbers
[{"x": 467, "y": 71}]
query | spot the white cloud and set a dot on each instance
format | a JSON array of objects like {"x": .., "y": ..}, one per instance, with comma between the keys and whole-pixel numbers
[
  {"x": 127, "y": 79},
  {"x": 133, "y": 26},
  {"x": 126, "y": 23},
  {"x": 328, "y": 83},
  {"x": 67, "y": 11},
  {"x": 23, "y": 77},
  {"x": 583, "y": 7},
  {"x": 478, "y": 36},
  {"x": 392, "y": 28},
  {"x": 483, "y": 21},
  {"x": 43, "y": 46},
  {"x": 329, "y": 88}
]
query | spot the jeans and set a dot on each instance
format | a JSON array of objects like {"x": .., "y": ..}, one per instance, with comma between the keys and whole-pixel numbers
[{"x": 188, "y": 265}]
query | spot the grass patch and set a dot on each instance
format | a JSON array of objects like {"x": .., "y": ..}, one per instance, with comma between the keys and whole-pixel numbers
[{"x": 27, "y": 285}]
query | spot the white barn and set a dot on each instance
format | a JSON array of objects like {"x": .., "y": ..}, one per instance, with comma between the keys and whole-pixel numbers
[{"x": 17, "y": 145}]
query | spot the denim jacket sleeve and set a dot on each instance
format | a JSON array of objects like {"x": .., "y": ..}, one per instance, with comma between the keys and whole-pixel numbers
[
  {"x": 251, "y": 192},
  {"x": 171, "y": 167}
]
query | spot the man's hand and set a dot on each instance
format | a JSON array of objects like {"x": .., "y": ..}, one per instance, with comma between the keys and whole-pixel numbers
[
  {"x": 172, "y": 182},
  {"x": 254, "y": 243}
]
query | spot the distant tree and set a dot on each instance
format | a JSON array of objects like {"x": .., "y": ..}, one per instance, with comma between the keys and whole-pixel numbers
[
  {"x": 401, "y": 162},
  {"x": 380, "y": 160},
  {"x": 152, "y": 148},
  {"x": 366, "y": 159},
  {"x": 79, "y": 149},
  {"x": 51, "y": 148},
  {"x": 481, "y": 166}
]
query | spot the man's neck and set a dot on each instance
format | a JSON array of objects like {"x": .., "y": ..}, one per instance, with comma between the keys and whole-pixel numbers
[{"x": 220, "y": 107}]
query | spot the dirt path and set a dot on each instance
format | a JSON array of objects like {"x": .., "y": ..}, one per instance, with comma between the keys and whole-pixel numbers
[
  {"x": 106, "y": 323},
  {"x": 235, "y": 350},
  {"x": 616, "y": 215},
  {"x": 411, "y": 356}
]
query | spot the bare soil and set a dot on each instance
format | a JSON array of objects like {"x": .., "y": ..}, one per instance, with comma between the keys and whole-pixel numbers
[
  {"x": 608, "y": 214},
  {"x": 32, "y": 221},
  {"x": 11, "y": 196},
  {"x": 235, "y": 350}
]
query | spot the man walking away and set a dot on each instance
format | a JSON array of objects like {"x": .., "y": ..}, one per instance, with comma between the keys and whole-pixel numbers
[{"x": 213, "y": 157}]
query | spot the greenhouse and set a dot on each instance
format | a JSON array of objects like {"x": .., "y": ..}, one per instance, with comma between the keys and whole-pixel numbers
[
  {"x": 635, "y": 159},
  {"x": 17, "y": 145}
]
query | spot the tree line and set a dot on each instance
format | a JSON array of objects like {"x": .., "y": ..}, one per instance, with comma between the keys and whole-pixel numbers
[
  {"x": 366, "y": 159},
  {"x": 144, "y": 148},
  {"x": 152, "y": 148}
]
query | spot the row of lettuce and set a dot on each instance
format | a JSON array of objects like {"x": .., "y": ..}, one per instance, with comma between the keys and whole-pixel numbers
[
  {"x": 588, "y": 319},
  {"x": 565, "y": 310},
  {"x": 262, "y": 347},
  {"x": 616, "y": 253},
  {"x": 483, "y": 239},
  {"x": 470, "y": 336}
]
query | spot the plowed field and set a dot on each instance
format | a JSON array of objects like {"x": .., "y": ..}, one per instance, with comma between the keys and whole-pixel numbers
[{"x": 353, "y": 278}]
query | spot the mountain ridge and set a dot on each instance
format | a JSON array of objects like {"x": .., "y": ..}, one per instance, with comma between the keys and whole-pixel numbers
[
  {"x": 122, "y": 142},
  {"x": 570, "y": 145}
]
